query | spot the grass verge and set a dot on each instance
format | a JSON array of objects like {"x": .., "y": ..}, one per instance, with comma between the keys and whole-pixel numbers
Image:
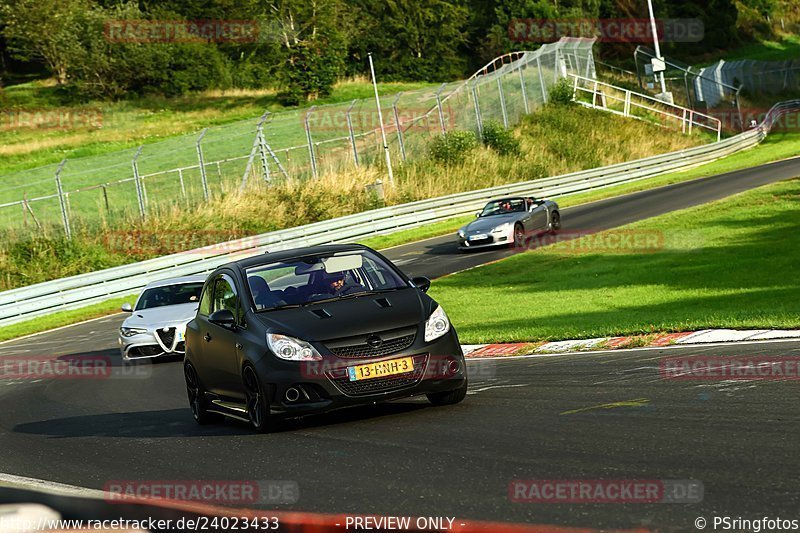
[
  {"x": 727, "y": 264},
  {"x": 62, "y": 318}
]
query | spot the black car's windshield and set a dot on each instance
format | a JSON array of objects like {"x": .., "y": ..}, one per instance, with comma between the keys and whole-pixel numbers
[
  {"x": 183, "y": 293},
  {"x": 320, "y": 278},
  {"x": 502, "y": 207}
]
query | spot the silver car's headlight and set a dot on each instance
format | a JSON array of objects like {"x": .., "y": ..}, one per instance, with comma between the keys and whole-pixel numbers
[
  {"x": 292, "y": 349},
  {"x": 437, "y": 325},
  {"x": 131, "y": 332},
  {"x": 502, "y": 228}
]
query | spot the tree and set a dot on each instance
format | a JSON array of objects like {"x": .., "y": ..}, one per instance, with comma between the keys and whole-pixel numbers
[
  {"x": 44, "y": 30},
  {"x": 313, "y": 46}
]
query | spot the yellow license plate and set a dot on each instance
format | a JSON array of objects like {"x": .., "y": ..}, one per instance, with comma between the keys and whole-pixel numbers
[{"x": 379, "y": 370}]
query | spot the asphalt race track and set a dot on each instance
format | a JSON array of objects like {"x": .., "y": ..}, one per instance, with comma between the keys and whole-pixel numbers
[{"x": 584, "y": 416}]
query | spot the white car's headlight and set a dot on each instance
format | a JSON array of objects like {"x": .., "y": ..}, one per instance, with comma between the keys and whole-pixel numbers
[
  {"x": 502, "y": 228},
  {"x": 131, "y": 332},
  {"x": 437, "y": 325},
  {"x": 292, "y": 349}
]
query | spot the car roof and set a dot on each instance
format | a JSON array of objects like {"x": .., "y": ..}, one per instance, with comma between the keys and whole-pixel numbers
[
  {"x": 283, "y": 255},
  {"x": 176, "y": 281}
]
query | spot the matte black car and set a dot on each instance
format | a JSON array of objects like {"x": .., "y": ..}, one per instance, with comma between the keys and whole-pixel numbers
[{"x": 313, "y": 329}]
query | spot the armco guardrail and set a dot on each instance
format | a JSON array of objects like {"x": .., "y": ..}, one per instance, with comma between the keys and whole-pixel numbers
[{"x": 77, "y": 291}]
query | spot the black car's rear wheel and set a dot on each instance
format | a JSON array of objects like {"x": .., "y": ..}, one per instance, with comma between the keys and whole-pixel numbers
[
  {"x": 197, "y": 397},
  {"x": 257, "y": 403},
  {"x": 449, "y": 397}
]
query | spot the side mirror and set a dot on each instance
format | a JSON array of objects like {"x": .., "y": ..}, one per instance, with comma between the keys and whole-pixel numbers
[
  {"x": 222, "y": 317},
  {"x": 422, "y": 283},
  {"x": 128, "y": 308},
  {"x": 477, "y": 215}
]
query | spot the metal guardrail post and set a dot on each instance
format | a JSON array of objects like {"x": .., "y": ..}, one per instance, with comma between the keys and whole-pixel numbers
[
  {"x": 137, "y": 179},
  {"x": 351, "y": 133},
  {"x": 399, "y": 126},
  {"x": 62, "y": 201},
  {"x": 522, "y": 86},
  {"x": 439, "y": 107},
  {"x": 502, "y": 102},
  {"x": 311, "y": 154},
  {"x": 476, "y": 104},
  {"x": 202, "y": 164}
]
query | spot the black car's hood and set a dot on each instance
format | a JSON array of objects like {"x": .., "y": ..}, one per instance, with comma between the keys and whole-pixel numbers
[{"x": 346, "y": 318}]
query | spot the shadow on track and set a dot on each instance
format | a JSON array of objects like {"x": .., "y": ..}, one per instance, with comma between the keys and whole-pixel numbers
[{"x": 179, "y": 423}]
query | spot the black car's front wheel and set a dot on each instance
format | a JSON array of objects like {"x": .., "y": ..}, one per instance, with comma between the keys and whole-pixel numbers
[
  {"x": 197, "y": 397},
  {"x": 257, "y": 403},
  {"x": 449, "y": 397}
]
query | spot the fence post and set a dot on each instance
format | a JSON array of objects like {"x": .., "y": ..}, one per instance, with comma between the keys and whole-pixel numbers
[
  {"x": 627, "y": 107},
  {"x": 275, "y": 157},
  {"x": 522, "y": 86},
  {"x": 105, "y": 199},
  {"x": 502, "y": 103},
  {"x": 138, "y": 182},
  {"x": 310, "y": 142},
  {"x": 439, "y": 107},
  {"x": 541, "y": 79},
  {"x": 261, "y": 142},
  {"x": 183, "y": 185},
  {"x": 202, "y": 164},
  {"x": 62, "y": 201},
  {"x": 477, "y": 106},
  {"x": 399, "y": 127},
  {"x": 351, "y": 133}
]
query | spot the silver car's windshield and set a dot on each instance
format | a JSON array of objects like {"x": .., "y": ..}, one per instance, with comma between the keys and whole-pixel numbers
[
  {"x": 322, "y": 277},
  {"x": 502, "y": 207},
  {"x": 182, "y": 293}
]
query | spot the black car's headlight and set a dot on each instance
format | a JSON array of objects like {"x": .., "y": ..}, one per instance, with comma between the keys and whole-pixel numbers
[
  {"x": 292, "y": 349},
  {"x": 131, "y": 332},
  {"x": 462, "y": 233},
  {"x": 437, "y": 325}
]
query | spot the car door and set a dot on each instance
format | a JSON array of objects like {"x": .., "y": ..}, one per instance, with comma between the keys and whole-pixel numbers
[
  {"x": 538, "y": 218},
  {"x": 221, "y": 343}
]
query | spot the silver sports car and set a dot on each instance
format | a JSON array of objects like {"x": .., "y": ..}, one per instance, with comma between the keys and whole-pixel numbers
[
  {"x": 509, "y": 222},
  {"x": 157, "y": 325}
]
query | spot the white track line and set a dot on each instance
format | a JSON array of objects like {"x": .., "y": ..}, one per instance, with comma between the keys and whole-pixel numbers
[{"x": 51, "y": 487}]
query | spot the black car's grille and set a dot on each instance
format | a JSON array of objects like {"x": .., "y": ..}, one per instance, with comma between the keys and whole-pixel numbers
[
  {"x": 365, "y": 350},
  {"x": 366, "y": 387},
  {"x": 390, "y": 342},
  {"x": 166, "y": 337}
]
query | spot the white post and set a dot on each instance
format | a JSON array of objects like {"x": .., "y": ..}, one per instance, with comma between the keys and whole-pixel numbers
[
  {"x": 380, "y": 119},
  {"x": 657, "y": 49}
]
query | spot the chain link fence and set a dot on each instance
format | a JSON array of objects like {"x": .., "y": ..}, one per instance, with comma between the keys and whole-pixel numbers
[{"x": 300, "y": 144}]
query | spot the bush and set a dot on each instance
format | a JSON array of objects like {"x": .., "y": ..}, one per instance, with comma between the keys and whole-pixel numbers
[
  {"x": 499, "y": 139},
  {"x": 451, "y": 147},
  {"x": 561, "y": 92}
]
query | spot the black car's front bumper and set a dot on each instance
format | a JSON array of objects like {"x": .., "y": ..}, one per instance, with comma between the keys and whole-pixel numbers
[{"x": 298, "y": 388}]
